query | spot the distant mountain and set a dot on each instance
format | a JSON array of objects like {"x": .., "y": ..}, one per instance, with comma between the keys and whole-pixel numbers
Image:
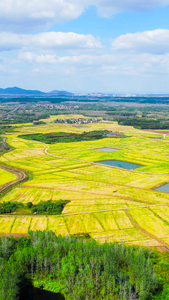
[
  {"x": 18, "y": 91},
  {"x": 60, "y": 93},
  {"x": 15, "y": 91}
]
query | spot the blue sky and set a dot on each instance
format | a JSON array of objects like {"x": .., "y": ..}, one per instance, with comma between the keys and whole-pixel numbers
[{"x": 109, "y": 46}]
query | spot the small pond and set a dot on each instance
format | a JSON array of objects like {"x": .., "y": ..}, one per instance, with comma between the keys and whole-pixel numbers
[
  {"x": 164, "y": 188},
  {"x": 111, "y": 135},
  {"x": 107, "y": 149},
  {"x": 119, "y": 164},
  {"x": 82, "y": 127},
  {"x": 33, "y": 293}
]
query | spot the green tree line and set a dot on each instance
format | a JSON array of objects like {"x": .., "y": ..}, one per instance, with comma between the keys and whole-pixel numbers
[
  {"x": 143, "y": 123},
  {"x": 66, "y": 137},
  {"x": 42, "y": 208},
  {"x": 80, "y": 268}
]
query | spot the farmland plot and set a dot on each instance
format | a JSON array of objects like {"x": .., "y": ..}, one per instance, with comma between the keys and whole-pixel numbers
[
  {"x": 98, "y": 195},
  {"x": 21, "y": 225},
  {"x": 150, "y": 222}
]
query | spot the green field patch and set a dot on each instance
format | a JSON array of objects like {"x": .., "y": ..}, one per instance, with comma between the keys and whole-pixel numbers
[
  {"x": 166, "y": 240},
  {"x": 78, "y": 197},
  {"x": 78, "y": 208},
  {"x": 75, "y": 224},
  {"x": 115, "y": 175},
  {"x": 148, "y": 221},
  {"x": 102, "y": 189},
  {"x": 122, "y": 219},
  {"x": 145, "y": 243},
  {"x": 152, "y": 180},
  {"x": 94, "y": 204},
  {"x": 21, "y": 225},
  {"x": 38, "y": 223},
  {"x": 131, "y": 203},
  {"x": 141, "y": 195},
  {"x": 128, "y": 236},
  {"x": 58, "y": 225},
  {"x": 88, "y": 169},
  {"x": 107, "y": 221},
  {"x": 14, "y": 195},
  {"x": 6, "y": 224},
  {"x": 91, "y": 223},
  {"x": 6, "y": 177},
  {"x": 162, "y": 211},
  {"x": 25, "y": 195},
  {"x": 45, "y": 172}
]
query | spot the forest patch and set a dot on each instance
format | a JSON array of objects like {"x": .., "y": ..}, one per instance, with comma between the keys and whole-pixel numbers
[{"x": 68, "y": 137}]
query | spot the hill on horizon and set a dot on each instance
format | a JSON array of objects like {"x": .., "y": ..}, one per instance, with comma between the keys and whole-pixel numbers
[{"x": 19, "y": 91}]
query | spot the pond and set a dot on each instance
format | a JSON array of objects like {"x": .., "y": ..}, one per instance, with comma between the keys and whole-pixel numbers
[
  {"x": 111, "y": 135},
  {"x": 106, "y": 149},
  {"x": 120, "y": 164},
  {"x": 164, "y": 188},
  {"x": 33, "y": 293},
  {"x": 82, "y": 127}
]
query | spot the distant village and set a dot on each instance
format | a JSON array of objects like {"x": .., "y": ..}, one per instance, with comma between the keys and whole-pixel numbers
[
  {"x": 77, "y": 121},
  {"x": 57, "y": 106}
]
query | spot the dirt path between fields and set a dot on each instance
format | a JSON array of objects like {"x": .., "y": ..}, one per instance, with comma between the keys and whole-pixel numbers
[
  {"x": 21, "y": 176},
  {"x": 164, "y": 247}
]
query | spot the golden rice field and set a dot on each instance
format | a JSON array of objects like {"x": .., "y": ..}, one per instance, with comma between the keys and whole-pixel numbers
[{"x": 110, "y": 204}]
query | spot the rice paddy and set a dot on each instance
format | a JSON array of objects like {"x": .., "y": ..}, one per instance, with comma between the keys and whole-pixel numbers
[{"x": 103, "y": 199}]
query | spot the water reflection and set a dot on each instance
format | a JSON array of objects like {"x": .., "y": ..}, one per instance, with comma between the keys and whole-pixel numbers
[
  {"x": 164, "y": 188},
  {"x": 33, "y": 293},
  {"x": 107, "y": 149},
  {"x": 119, "y": 164},
  {"x": 111, "y": 135}
]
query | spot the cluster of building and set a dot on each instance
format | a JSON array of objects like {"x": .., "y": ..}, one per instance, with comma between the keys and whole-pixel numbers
[
  {"x": 78, "y": 120},
  {"x": 57, "y": 106}
]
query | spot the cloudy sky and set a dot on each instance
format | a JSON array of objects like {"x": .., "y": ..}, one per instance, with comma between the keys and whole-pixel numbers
[{"x": 113, "y": 46}]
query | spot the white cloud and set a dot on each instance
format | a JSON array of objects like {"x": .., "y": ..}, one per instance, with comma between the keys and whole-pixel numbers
[
  {"x": 156, "y": 41},
  {"x": 24, "y": 15},
  {"x": 38, "y": 58},
  {"x": 32, "y": 14},
  {"x": 124, "y": 64},
  {"x": 127, "y": 71},
  {"x": 84, "y": 61},
  {"x": 145, "y": 53},
  {"x": 48, "y": 40},
  {"x": 106, "y": 8}
]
